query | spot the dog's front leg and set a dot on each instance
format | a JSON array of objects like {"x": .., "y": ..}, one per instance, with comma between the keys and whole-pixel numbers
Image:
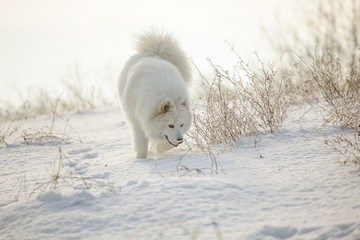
[
  {"x": 140, "y": 143},
  {"x": 163, "y": 147}
]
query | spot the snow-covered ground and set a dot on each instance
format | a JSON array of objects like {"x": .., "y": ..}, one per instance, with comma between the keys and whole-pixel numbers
[{"x": 290, "y": 186}]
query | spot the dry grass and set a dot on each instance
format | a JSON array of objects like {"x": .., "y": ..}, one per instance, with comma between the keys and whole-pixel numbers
[
  {"x": 215, "y": 166},
  {"x": 334, "y": 75},
  {"x": 317, "y": 28},
  {"x": 7, "y": 131},
  {"x": 75, "y": 93},
  {"x": 324, "y": 64},
  {"x": 40, "y": 101},
  {"x": 346, "y": 144},
  {"x": 56, "y": 178},
  {"x": 10, "y": 133},
  {"x": 340, "y": 89},
  {"x": 37, "y": 102},
  {"x": 59, "y": 179},
  {"x": 245, "y": 102},
  {"x": 49, "y": 133},
  {"x": 338, "y": 86}
]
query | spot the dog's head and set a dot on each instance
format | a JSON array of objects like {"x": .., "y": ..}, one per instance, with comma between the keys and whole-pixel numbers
[{"x": 171, "y": 121}]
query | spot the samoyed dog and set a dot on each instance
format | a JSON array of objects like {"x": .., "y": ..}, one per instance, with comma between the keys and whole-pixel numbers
[{"x": 153, "y": 92}]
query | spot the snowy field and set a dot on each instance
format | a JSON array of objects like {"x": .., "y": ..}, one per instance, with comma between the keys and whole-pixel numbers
[{"x": 290, "y": 186}]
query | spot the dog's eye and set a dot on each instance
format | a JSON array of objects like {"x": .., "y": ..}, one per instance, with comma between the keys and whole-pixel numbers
[
  {"x": 171, "y": 125},
  {"x": 181, "y": 125}
]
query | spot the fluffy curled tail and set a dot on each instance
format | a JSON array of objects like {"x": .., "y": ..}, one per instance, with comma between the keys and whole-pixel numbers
[{"x": 164, "y": 45}]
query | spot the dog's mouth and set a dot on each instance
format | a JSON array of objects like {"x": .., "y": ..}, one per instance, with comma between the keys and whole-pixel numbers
[{"x": 175, "y": 145}]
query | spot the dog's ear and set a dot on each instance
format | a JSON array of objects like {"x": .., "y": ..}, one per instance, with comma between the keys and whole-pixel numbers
[
  {"x": 184, "y": 103},
  {"x": 166, "y": 105}
]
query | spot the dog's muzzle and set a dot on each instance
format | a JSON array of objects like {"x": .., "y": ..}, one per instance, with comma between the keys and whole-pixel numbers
[{"x": 178, "y": 141}]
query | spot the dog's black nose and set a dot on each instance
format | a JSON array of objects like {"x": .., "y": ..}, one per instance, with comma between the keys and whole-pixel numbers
[{"x": 179, "y": 140}]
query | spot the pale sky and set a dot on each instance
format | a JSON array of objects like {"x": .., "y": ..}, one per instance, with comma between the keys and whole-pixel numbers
[{"x": 41, "y": 39}]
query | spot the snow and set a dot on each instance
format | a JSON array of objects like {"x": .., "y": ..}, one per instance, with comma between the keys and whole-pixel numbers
[{"x": 290, "y": 186}]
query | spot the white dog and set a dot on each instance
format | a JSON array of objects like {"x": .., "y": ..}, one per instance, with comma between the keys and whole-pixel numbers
[{"x": 153, "y": 92}]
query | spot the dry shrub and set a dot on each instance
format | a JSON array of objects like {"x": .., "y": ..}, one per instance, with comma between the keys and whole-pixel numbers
[
  {"x": 324, "y": 28},
  {"x": 10, "y": 131},
  {"x": 7, "y": 131},
  {"x": 346, "y": 144},
  {"x": 76, "y": 95},
  {"x": 339, "y": 86},
  {"x": 48, "y": 133},
  {"x": 249, "y": 101},
  {"x": 205, "y": 148},
  {"x": 37, "y": 102},
  {"x": 59, "y": 180},
  {"x": 43, "y": 135},
  {"x": 324, "y": 61}
]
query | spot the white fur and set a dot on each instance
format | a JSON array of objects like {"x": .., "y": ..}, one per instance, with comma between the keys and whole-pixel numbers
[{"x": 153, "y": 92}]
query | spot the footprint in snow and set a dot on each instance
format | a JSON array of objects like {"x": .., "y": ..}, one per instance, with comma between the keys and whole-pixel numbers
[
  {"x": 78, "y": 151},
  {"x": 89, "y": 153}
]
